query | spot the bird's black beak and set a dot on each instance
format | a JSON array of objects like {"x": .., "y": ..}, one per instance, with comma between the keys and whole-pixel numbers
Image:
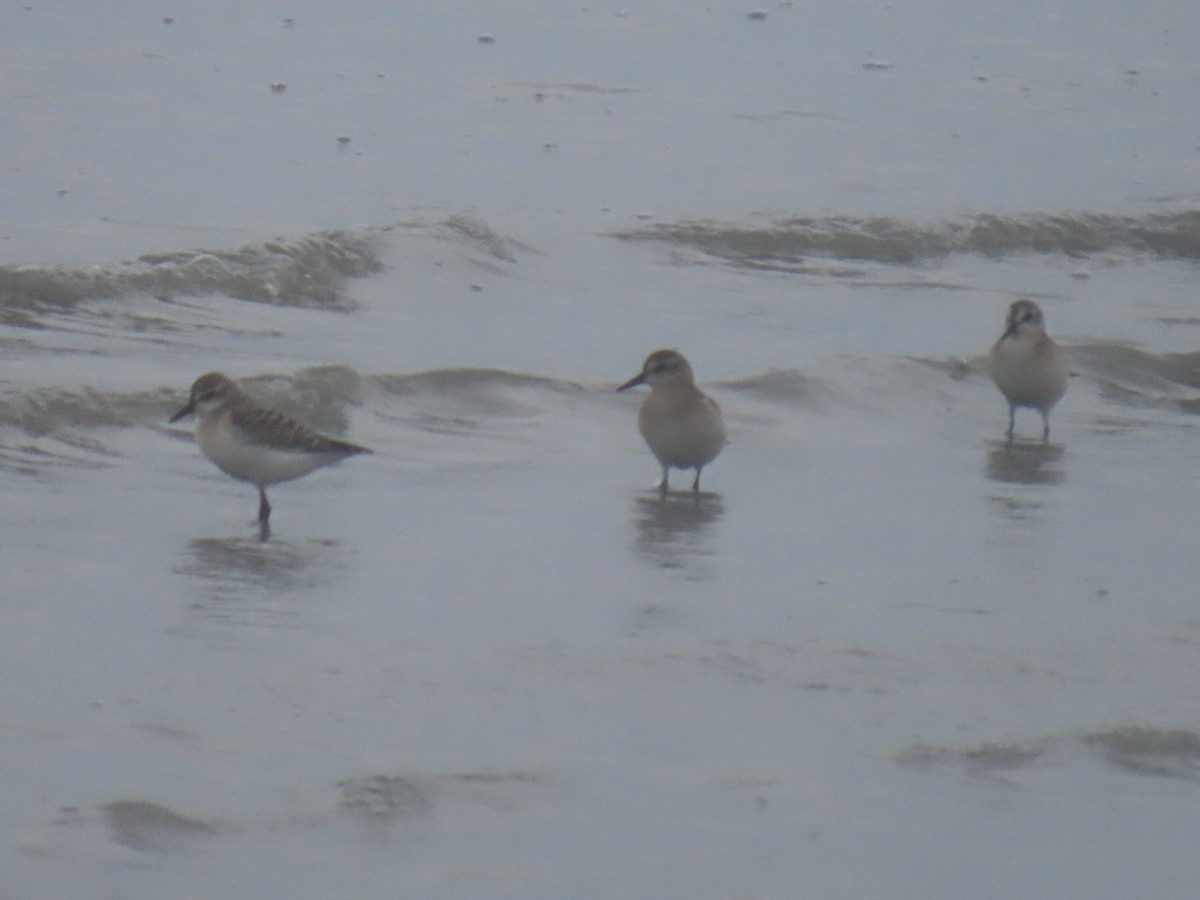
[
  {"x": 186, "y": 411},
  {"x": 640, "y": 378}
]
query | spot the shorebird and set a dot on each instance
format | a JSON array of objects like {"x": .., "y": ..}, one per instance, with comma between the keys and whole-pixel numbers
[
  {"x": 253, "y": 443},
  {"x": 1028, "y": 367},
  {"x": 682, "y": 425}
]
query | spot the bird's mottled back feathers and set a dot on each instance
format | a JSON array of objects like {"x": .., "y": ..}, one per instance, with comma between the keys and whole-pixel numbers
[{"x": 271, "y": 428}]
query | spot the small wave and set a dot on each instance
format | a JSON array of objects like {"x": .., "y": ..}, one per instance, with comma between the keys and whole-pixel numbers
[
  {"x": 1168, "y": 752},
  {"x": 1134, "y": 366},
  {"x": 318, "y": 396},
  {"x": 481, "y": 235},
  {"x": 579, "y": 87},
  {"x": 384, "y": 797},
  {"x": 789, "y": 387},
  {"x": 786, "y": 243},
  {"x": 1142, "y": 750},
  {"x": 46, "y": 411},
  {"x": 465, "y": 400},
  {"x": 305, "y": 272},
  {"x": 466, "y": 381},
  {"x": 143, "y": 825},
  {"x": 462, "y": 397},
  {"x": 1133, "y": 377}
]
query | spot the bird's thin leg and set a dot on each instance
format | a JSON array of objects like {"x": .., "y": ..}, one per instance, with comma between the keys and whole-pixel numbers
[
  {"x": 264, "y": 507},
  {"x": 1012, "y": 420},
  {"x": 696, "y": 483},
  {"x": 1045, "y": 428},
  {"x": 662, "y": 485}
]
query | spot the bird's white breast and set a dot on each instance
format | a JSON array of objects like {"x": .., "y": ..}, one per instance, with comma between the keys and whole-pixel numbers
[{"x": 235, "y": 453}]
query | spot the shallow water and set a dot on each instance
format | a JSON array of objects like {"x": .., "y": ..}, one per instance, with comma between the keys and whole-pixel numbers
[{"x": 489, "y": 659}]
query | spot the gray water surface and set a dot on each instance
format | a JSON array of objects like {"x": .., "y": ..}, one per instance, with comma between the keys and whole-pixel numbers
[{"x": 885, "y": 654}]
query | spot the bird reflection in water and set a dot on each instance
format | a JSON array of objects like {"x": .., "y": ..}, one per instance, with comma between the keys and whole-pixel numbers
[
  {"x": 676, "y": 532},
  {"x": 1025, "y": 462},
  {"x": 243, "y": 582}
]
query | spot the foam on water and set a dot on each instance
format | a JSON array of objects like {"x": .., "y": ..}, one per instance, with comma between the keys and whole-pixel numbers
[{"x": 787, "y": 242}]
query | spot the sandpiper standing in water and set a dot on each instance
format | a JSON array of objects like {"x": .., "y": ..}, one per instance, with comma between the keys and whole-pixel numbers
[
  {"x": 256, "y": 444},
  {"x": 1028, "y": 367},
  {"x": 683, "y": 425}
]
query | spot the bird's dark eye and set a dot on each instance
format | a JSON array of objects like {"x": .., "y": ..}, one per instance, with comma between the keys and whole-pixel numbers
[{"x": 208, "y": 395}]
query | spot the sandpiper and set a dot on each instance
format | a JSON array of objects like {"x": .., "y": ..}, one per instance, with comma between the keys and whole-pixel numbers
[
  {"x": 1028, "y": 367},
  {"x": 253, "y": 443},
  {"x": 683, "y": 425}
]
